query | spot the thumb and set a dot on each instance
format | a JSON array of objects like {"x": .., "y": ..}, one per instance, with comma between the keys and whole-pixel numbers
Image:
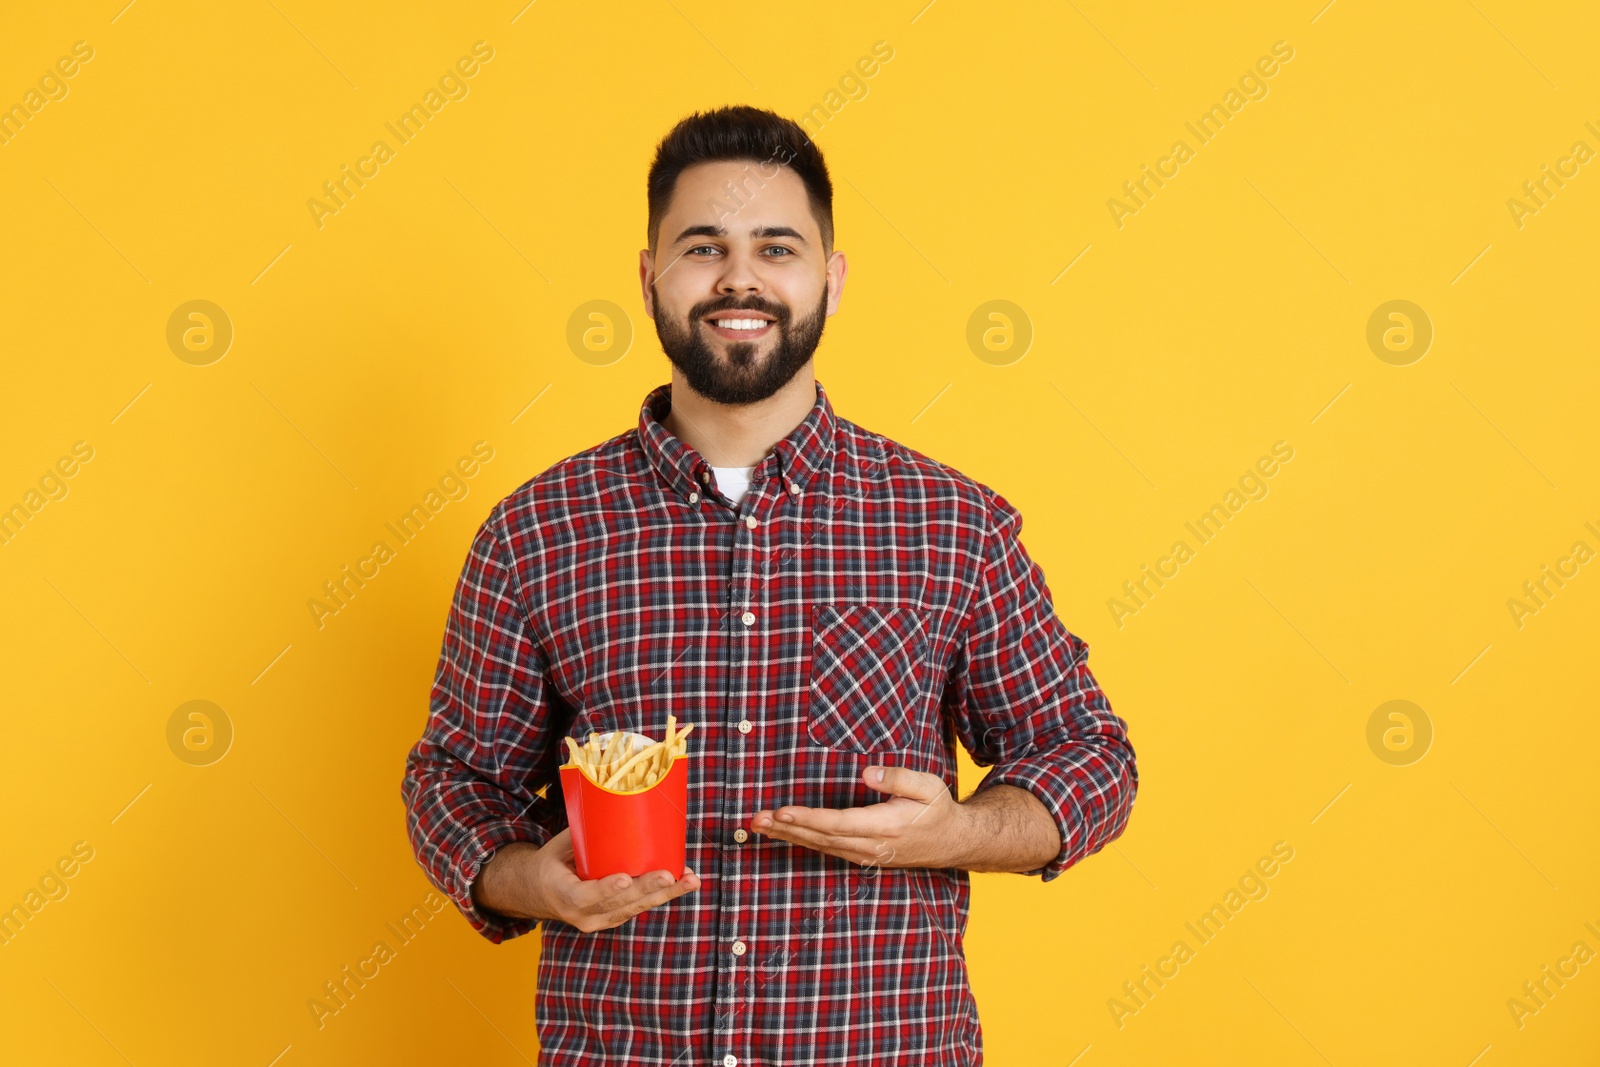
[{"x": 904, "y": 782}]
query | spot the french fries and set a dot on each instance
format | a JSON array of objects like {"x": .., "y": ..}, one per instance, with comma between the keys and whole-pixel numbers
[{"x": 611, "y": 761}]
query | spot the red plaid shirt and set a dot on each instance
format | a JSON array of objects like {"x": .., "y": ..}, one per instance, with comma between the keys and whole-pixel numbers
[{"x": 863, "y": 603}]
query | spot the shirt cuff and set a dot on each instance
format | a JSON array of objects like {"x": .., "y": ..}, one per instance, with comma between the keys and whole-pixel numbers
[
  {"x": 1042, "y": 777},
  {"x": 470, "y": 855}
]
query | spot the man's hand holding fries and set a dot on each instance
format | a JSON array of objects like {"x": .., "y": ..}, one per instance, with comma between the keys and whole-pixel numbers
[{"x": 527, "y": 881}]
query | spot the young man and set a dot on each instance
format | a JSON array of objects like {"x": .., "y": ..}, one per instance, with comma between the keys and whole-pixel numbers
[{"x": 824, "y": 604}]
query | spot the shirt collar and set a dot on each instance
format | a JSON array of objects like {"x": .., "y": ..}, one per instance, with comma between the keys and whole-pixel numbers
[{"x": 803, "y": 455}]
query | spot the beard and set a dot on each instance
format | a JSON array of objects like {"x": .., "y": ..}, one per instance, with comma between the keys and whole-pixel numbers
[{"x": 744, "y": 375}]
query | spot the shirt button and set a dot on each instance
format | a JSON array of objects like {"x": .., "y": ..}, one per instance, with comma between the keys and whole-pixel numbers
[
  {"x": 705, "y": 476},
  {"x": 793, "y": 488},
  {"x": 694, "y": 498},
  {"x": 748, "y": 618},
  {"x": 730, "y": 1060},
  {"x": 744, "y": 726},
  {"x": 740, "y": 835},
  {"x": 750, "y": 521},
  {"x": 738, "y": 948}
]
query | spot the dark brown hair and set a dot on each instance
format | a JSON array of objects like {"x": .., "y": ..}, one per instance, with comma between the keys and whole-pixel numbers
[{"x": 740, "y": 133}]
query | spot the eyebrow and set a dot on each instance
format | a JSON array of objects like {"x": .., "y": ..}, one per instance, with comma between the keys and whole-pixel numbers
[{"x": 757, "y": 232}]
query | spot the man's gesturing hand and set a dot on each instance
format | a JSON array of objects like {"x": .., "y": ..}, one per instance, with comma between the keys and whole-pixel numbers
[
  {"x": 920, "y": 825},
  {"x": 525, "y": 881}
]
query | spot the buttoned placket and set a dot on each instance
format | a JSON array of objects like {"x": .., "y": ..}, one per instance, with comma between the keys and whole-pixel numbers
[
  {"x": 747, "y": 605},
  {"x": 775, "y": 495}
]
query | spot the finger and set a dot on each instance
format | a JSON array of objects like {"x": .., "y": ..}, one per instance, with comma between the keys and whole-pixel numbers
[
  {"x": 871, "y": 820},
  {"x": 855, "y": 849},
  {"x": 597, "y": 894},
  {"x": 566, "y": 866},
  {"x": 649, "y": 892},
  {"x": 646, "y": 885},
  {"x": 905, "y": 782}
]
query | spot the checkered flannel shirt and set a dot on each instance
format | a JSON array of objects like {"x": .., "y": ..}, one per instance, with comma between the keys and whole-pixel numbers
[{"x": 862, "y": 604}]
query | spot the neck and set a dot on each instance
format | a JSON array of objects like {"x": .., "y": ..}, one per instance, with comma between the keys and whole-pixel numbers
[{"x": 738, "y": 435}]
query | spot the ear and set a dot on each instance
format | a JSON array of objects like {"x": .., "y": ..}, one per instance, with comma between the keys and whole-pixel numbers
[
  {"x": 836, "y": 270},
  {"x": 647, "y": 273}
]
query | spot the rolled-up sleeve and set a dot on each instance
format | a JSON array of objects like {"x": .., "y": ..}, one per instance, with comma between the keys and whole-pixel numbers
[
  {"x": 1024, "y": 701},
  {"x": 484, "y": 772}
]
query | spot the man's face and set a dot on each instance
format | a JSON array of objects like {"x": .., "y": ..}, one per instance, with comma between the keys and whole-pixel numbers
[{"x": 731, "y": 259}]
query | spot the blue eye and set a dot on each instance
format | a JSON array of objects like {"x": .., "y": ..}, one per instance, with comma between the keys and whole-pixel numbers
[{"x": 788, "y": 253}]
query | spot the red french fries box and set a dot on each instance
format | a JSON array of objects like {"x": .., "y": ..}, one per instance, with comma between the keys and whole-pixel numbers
[{"x": 635, "y": 831}]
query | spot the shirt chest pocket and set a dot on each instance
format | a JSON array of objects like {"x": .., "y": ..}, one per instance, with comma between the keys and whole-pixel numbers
[{"x": 866, "y": 676}]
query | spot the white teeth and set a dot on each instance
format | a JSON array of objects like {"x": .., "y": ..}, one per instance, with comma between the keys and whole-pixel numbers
[{"x": 741, "y": 324}]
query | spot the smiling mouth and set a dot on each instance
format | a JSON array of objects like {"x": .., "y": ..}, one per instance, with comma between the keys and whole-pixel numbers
[{"x": 738, "y": 327}]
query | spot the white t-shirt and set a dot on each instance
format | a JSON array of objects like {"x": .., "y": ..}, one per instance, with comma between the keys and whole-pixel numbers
[{"x": 733, "y": 481}]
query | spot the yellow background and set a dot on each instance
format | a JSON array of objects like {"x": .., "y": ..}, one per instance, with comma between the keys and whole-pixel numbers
[{"x": 1229, "y": 313}]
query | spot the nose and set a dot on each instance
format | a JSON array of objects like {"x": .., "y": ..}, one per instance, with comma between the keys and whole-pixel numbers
[{"x": 741, "y": 275}]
